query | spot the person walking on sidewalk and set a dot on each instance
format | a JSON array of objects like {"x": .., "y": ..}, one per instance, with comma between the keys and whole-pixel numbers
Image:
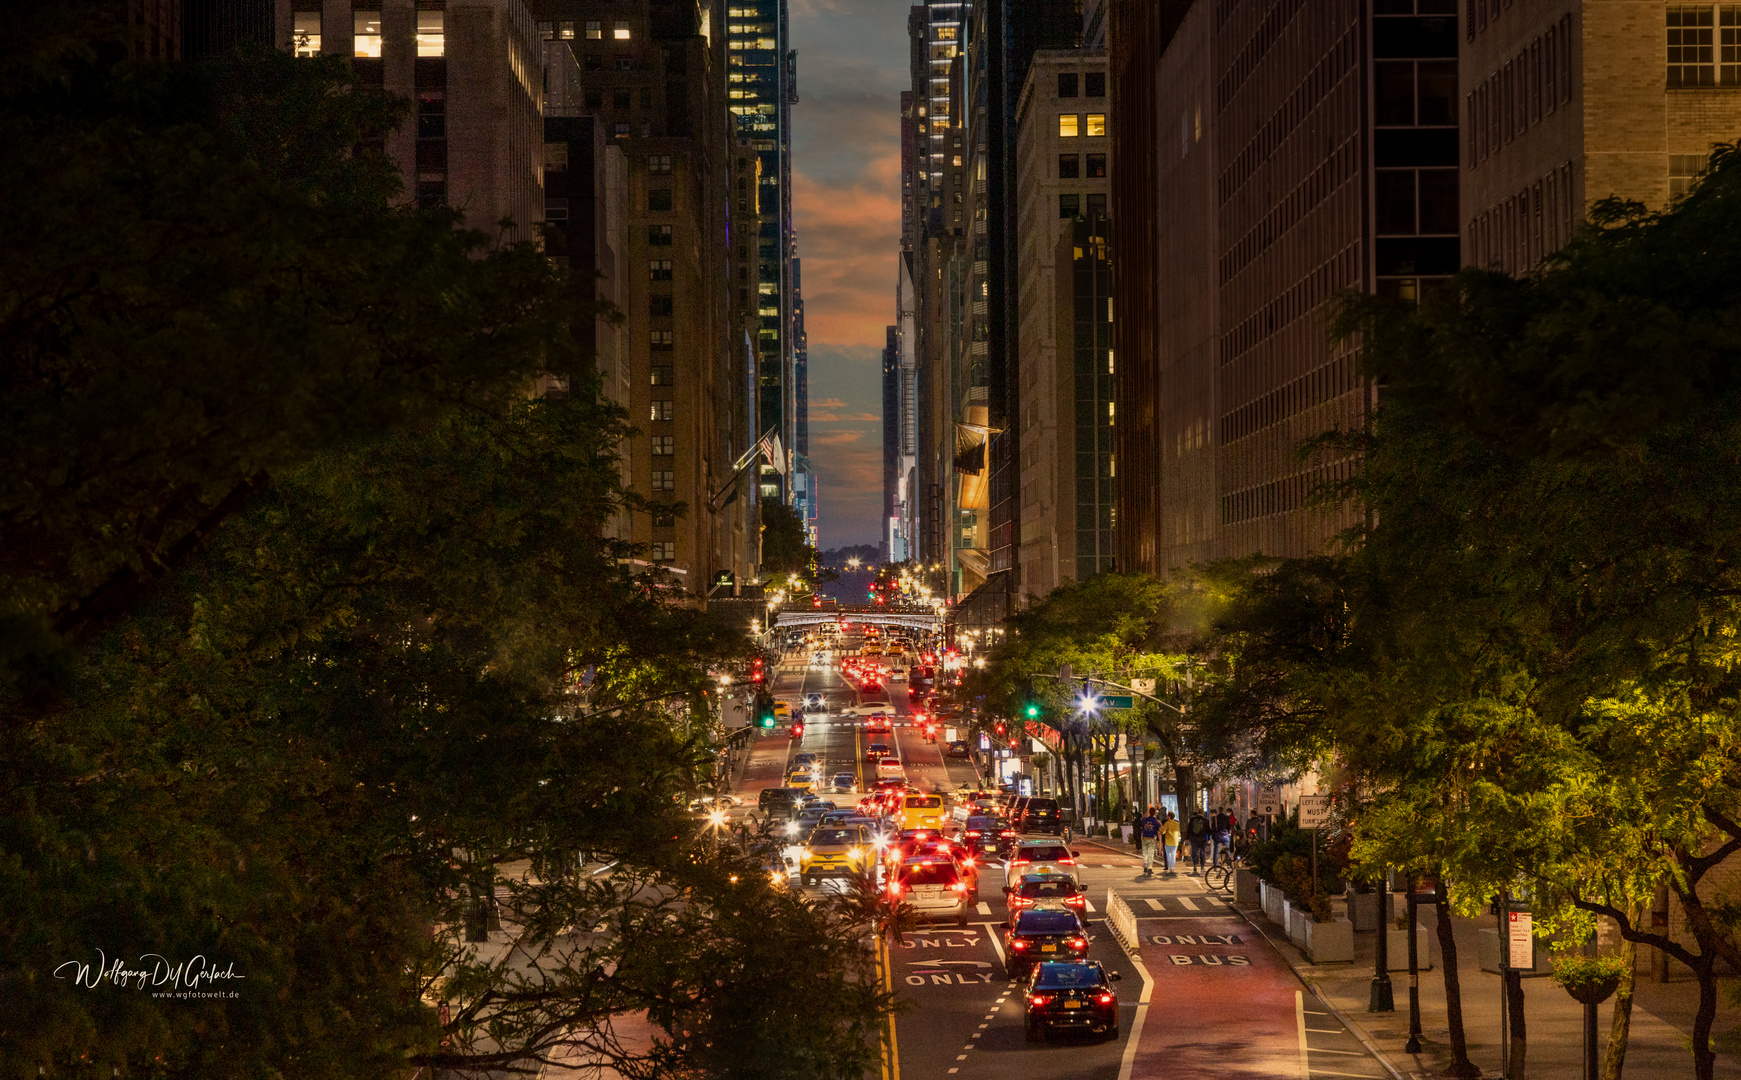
[
  {"x": 1197, "y": 832},
  {"x": 1149, "y": 829},
  {"x": 1170, "y": 840}
]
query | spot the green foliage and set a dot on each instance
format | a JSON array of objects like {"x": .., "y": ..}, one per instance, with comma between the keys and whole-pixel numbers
[
  {"x": 1579, "y": 970},
  {"x": 785, "y": 543}
]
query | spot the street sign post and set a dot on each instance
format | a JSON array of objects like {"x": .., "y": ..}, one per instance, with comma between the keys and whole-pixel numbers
[
  {"x": 1314, "y": 811},
  {"x": 1143, "y": 686}
]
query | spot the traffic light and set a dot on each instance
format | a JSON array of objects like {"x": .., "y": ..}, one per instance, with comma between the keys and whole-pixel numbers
[
  {"x": 1033, "y": 710},
  {"x": 1000, "y": 727},
  {"x": 758, "y": 672},
  {"x": 797, "y": 731},
  {"x": 764, "y": 711}
]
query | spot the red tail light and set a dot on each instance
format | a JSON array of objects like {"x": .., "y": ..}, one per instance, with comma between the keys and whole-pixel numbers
[
  {"x": 1079, "y": 943},
  {"x": 1067, "y": 862},
  {"x": 1076, "y": 901},
  {"x": 971, "y": 833},
  {"x": 1106, "y": 999},
  {"x": 1038, "y": 999},
  {"x": 1018, "y": 944},
  {"x": 959, "y": 886}
]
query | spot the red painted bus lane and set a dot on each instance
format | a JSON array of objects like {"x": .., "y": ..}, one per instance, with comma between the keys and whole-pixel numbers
[{"x": 1223, "y": 1004}]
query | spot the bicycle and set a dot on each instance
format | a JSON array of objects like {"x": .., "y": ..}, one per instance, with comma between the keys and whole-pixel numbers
[{"x": 1220, "y": 876}]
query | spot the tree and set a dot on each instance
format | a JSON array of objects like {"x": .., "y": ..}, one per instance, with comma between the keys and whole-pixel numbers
[{"x": 785, "y": 543}]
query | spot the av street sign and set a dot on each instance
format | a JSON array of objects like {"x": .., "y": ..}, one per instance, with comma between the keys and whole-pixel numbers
[{"x": 1117, "y": 701}]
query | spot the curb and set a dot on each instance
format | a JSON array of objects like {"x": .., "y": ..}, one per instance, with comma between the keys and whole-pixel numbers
[{"x": 1342, "y": 1017}]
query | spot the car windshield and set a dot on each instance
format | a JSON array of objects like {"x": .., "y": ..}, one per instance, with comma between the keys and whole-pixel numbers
[
  {"x": 1045, "y": 922},
  {"x": 837, "y": 836},
  {"x": 929, "y": 873},
  {"x": 1044, "y": 853},
  {"x": 1044, "y": 887},
  {"x": 1061, "y": 976}
]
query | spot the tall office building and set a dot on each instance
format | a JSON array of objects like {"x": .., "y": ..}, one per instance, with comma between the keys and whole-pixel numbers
[
  {"x": 891, "y": 440},
  {"x": 1270, "y": 155},
  {"x": 762, "y": 86}
]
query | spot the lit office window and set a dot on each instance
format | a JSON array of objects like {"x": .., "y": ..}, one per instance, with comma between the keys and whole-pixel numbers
[
  {"x": 1096, "y": 124},
  {"x": 664, "y": 551},
  {"x": 664, "y": 410},
  {"x": 594, "y": 30},
  {"x": 305, "y": 35},
  {"x": 621, "y": 31},
  {"x": 565, "y": 30},
  {"x": 1069, "y": 125},
  {"x": 431, "y": 33},
  {"x": 366, "y": 33}
]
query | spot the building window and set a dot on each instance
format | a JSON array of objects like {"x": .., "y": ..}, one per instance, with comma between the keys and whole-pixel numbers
[
  {"x": 1096, "y": 166},
  {"x": 556, "y": 211},
  {"x": 1096, "y": 124},
  {"x": 1729, "y": 42},
  {"x": 622, "y": 99},
  {"x": 659, "y": 164},
  {"x": 659, "y": 199},
  {"x": 594, "y": 30},
  {"x": 1690, "y": 59},
  {"x": 1094, "y": 84},
  {"x": 660, "y": 306},
  {"x": 664, "y": 376},
  {"x": 1066, "y": 84},
  {"x": 646, "y": 97},
  {"x": 664, "y": 481},
  {"x": 659, "y": 235},
  {"x": 432, "y": 115},
  {"x": 662, "y": 340},
  {"x": 366, "y": 33},
  {"x": 660, "y": 269},
  {"x": 595, "y": 99},
  {"x": 619, "y": 131},
  {"x": 621, "y": 31},
  {"x": 431, "y": 33},
  {"x": 664, "y": 445},
  {"x": 305, "y": 33},
  {"x": 431, "y": 192},
  {"x": 625, "y": 63},
  {"x": 664, "y": 550},
  {"x": 1683, "y": 169},
  {"x": 1069, "y": 125},
  {"x": 565, "y": 30},
  {"x": 1069, "y": 205},
  {"x": 1069, "y": 166},
  {"x": 664, "y": 517},
  {"x": 1097, "y": 207},
  {"x": 664, "y": 410}
]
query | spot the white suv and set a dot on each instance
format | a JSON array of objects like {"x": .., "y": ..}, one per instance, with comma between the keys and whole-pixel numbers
[
  {"x": 1041, "y": 857},
  {"x": 933, "y": 887}
]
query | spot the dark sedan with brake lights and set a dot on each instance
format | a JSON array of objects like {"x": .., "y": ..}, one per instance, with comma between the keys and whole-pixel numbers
[
  {"x": 1071, "y": 997},
  {"x": 1043, "y": 933}
]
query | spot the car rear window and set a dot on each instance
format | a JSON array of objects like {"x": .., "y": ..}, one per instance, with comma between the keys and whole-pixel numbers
[
  {"x": 1044, "y": 853},
  {"x": 1046, "y": 922},
  {"x": 924, "y": 802},
  {"x": 984, "y": 823},
  {"x": 1043, "y": 889},
  {"x": 1042, "y": 804},
  {"x": 935, "y": 873},
  {"x": 1061, "y": 976}
]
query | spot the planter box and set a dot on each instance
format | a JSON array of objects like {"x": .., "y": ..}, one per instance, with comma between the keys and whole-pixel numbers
[
  {"x": 1245, "y": 884},
  {"x": 1330, "y": 942},
  {"x": 1272, "y": 904},
  {"x": 1363, "y": 911},
  {"x": 1296, "y": 921},
  {"x": 1397, "y": 941}
]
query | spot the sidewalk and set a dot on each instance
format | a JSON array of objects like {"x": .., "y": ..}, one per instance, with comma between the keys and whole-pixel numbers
[{"x": 1657, "y": 1047}]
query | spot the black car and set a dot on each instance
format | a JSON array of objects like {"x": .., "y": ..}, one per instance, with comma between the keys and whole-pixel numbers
[
  {"x": 1071, "y": 997},
  {"x": 1040, "y": 815},
  {"x": 960, "y": 749},
  {"x": 984, "y": 835},
  {"x": 1040, "y": 935},
  {"x": 779, "y": 800}
]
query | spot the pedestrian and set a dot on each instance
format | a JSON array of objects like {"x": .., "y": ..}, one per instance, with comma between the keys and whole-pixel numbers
[
  {"x": 1149, "y": 828},
  {"x": 1223, "y": 839},
  {"x": 1197, "y": 832},
  {"x": 1170, "y": 840}
]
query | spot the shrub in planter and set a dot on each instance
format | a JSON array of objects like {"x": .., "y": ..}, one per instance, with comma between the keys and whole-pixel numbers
[
  {"x": 1589, "y": 979},
  {"x": 1320, "y": 907}
]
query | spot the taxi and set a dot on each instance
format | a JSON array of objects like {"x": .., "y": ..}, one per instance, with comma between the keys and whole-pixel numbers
[
  {"x": 803, "y": 778},
  {"x": 921, "y": 811},
  {"x": 835, "y": 851}
]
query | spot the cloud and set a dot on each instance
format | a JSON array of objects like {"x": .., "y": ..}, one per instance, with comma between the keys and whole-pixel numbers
[
  {"x": 838, "y": 418},
  {"x": 830, "y": 403},
  {"x": 835, "y": 438}
]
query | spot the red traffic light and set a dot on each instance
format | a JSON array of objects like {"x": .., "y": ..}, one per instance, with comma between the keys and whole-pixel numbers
[{"x": 797, "y": 731}]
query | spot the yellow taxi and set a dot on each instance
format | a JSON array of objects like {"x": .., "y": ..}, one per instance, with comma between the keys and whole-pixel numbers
[
  {"x": 782, "y": 710},
  {"x": 803, "y": 778},
  {"x": 922, "y": 812},
  {"x": 835, "y": 851}
]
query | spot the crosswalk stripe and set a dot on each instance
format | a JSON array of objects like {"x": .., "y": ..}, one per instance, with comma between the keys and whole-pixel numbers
[
  {"x": 1155, "y": 904},
  {"x": 984, "y": 908},
  {"x": 1189, "y": 906}
]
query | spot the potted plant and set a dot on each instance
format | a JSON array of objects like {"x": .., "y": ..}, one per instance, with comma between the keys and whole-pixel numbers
[
  {"x": 1589, "y": 979},
  {"x": 1328, "y": 939}
]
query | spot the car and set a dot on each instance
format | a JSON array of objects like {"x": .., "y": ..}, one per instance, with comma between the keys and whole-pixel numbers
[
  {"x": 898, "y": 675},
  {"x": 986, "y": 835},
  {"x": 835, "y": 851},
  {"x": 711, "y": 802},
  {"x": 1041, "y": 815},
  {"x": 876, "y": 751},
  {"x": 782, "y": 710},
  {"x": 801, "y": 778},
  {"x": 778, "y": 800},
  {"x": 959, "y": 749},
  {"x": 879, "y": 724},
  {"x": 1043, "y": 933},
  {"x": 810, "y": 817},
  {"x": 845, "y": 781},
  {"x": 966, "y": 862},
  {"x": 921, "y": 811},
  {"x": 1040, "y": 857},
  {"x": 816, "y": 703},
  {"x": 804, "y": 757},
  {"x": 932, "y": 887},
  {"x": 890, "y": 768},
  {"x": 1030, "y": 890},
  {"x": 1070, "y": 996}
]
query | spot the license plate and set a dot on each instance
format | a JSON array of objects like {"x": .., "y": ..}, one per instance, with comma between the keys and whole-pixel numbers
[
  {"x": 1072, "y": 1004},
  {"x": 1048, "y": 948}
]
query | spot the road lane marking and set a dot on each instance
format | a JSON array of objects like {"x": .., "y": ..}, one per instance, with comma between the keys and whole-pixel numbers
[
  {"x": 984, "y": 908},
  {"x": 1155, "y": 904},
  {"x": 1305, "y": 1051},
  {"x": 1351, "y": 1076},
  {"x": 1189, "y": 906},
  {"x": 1089, "y": 904},
  {"x": 960, "y": 1057},
  {"x": 1327, "y": 1050},
  {"x": 1324, "y": 1031}
]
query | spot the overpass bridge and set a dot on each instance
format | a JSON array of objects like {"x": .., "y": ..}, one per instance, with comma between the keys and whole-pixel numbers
[{"x": 909, "y": 617}]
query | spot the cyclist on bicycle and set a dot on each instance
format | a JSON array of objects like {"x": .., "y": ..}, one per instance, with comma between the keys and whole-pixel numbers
[{"x": 1223, "y": 826}]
